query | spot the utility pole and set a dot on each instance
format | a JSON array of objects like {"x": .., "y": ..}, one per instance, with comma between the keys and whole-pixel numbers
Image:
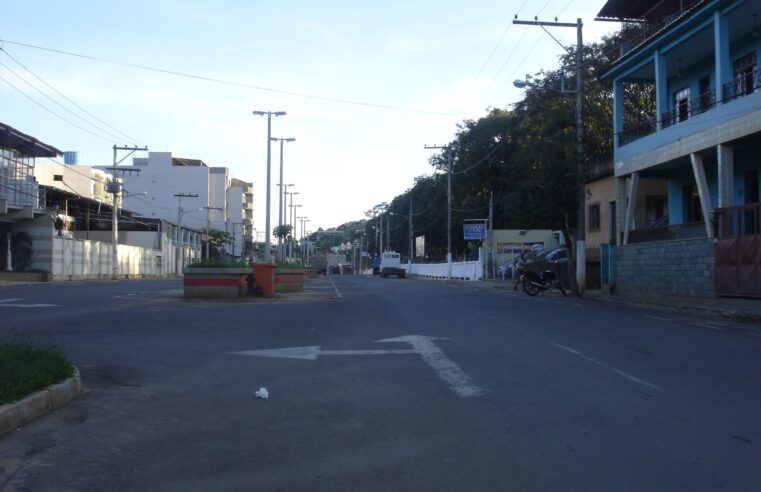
[
  {"x": 490, "y": 245},
  {"x": 581, "y": 253},
  {"x": 208, "y": 229},
  {"x": 448, "y": 152},
  {"x": 181, "y": 247},
  {"x": 115, "y": 188},
  {"x": 409, "y": 260},
  {"x": 380, "y": 245},
  {"x": 283, "y": 188},
  {"x": 269, "y": 161}
]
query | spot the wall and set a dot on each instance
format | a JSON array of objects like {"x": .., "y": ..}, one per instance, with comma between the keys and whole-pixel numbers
[
  {"x": 666, "y": 269},
  {"x": 463, "y": 270},
  {"x": 518, "y": 237}
]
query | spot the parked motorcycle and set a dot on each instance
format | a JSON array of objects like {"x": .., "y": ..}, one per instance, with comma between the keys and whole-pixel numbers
[{"x": 534, "y": 283}]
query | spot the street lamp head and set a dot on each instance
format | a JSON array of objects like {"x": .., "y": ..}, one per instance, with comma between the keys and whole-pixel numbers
[
  {"x": 279, "y": 113},
  {"x": 290, "y": 139},
  {"x": 259, "y": 113}
]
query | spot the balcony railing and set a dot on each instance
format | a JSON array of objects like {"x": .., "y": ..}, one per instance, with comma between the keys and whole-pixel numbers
[
  {"x": 742, "y": 86},
  {"x": 636, "y": 131},
  {"x": 692, "y": 107}
]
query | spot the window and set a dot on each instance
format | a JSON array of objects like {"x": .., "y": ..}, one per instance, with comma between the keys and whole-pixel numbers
[
  {"x": 682, "y": 104},
  {"x": 744, "y": 68},
  {"x": 594, "y": 217}
]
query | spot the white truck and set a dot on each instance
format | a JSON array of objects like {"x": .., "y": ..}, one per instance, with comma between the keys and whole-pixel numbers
[{"x": 391, "y": 264}]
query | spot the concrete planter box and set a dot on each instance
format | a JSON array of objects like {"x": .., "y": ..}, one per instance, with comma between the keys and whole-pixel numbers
[
  {"x": 311, "y": 273},
  {"x": 289, "y": 280},
  {"x": 25, "y": 277},
  {"x": 215, "y": 283}
]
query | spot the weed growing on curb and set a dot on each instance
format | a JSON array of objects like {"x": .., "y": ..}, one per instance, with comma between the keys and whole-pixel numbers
[{"x": 26, "y": 367}]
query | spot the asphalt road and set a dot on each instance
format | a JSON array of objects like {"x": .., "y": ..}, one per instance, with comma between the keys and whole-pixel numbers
[{"x": 498, "y": 391}]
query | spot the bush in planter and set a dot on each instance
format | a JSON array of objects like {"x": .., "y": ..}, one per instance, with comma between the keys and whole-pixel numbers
[{"x": 214, "y": 263}]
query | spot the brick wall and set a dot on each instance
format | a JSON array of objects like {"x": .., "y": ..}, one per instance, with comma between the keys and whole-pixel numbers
[{"x": 682, "y": 268}]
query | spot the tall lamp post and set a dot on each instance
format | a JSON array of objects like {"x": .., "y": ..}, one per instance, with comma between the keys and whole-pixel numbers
[
  {"x": 581, "y": 253},
  {"x": 269, "y": 161},
  {"x": 283, "y": 189}
]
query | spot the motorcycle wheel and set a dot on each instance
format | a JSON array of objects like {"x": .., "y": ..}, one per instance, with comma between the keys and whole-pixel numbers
[{"x": 531, "y": 288}]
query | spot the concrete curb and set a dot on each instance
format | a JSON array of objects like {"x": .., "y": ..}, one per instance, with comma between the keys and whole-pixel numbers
[
  {"x": 712, "y": 311},
  {"x": 14, "y": 415}
]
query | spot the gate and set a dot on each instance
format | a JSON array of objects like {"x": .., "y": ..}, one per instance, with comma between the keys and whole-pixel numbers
[{"x": 738, "y": 251}]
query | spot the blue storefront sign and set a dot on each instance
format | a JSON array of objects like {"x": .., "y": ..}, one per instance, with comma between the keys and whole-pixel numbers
[{"x": 474, "y": 231}]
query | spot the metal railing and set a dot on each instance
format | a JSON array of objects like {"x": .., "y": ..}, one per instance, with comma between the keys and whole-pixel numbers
[
  {"x": 636, "y": 131},
  {"x": 742, "y": 85},
  {"x": 692, "y": 107},
  {"x": 740, "y": 220}
]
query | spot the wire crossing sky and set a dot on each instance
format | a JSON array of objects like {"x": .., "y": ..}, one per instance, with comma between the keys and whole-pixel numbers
[{"x": 365, "y": 86}]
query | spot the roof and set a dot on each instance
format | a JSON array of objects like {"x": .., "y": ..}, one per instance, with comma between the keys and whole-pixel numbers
[
  {"x": 626, "y": 9},
  {"x": 179, "y": 161},
  {"x": 10, "y": 138}
]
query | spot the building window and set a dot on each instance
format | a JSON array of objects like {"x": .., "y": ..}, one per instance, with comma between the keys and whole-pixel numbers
[
  {"x": 682, "y": 104},
  {"x": 692, "y": 210},
  {"x": 744, "y": 68},
  {"x": 594, "y": 217}
]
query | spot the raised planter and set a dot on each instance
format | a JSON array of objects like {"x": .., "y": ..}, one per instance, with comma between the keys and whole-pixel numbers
[
  {"x": 289, "y": 280},
  {"x": 215, "y": 283},
  {"x": 311, "y": 273},
  {"x": 25, "y": 276}
]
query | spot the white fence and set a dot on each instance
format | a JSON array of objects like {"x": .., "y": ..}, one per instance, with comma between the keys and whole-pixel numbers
[
  {"x": 82, "y": 259},
  {"x": 462, "y": 270}
]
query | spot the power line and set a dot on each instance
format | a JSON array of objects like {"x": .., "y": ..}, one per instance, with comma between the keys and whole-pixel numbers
[
  {"x": 52, "y": 112},
  {"x": 499, "y": 42},
  {"x": 491, "y": 152},
  {"x": 504, "y": 64},
  {"x": 229, "y": 82},
  {"x": 124, "y": 135}
]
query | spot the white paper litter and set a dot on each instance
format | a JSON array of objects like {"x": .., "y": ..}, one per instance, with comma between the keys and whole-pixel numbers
[{"x": 262, "y": 393}]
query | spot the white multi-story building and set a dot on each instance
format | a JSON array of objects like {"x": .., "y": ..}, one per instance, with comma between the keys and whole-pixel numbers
[
  {"x": 240, "y": 213},
  {"x": 192, "y": 193}
]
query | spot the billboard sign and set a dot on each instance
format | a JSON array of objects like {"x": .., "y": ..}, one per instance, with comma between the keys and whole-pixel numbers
[
  {"x": 420, "y": 246},
  {"x": 475, "y": 231}
]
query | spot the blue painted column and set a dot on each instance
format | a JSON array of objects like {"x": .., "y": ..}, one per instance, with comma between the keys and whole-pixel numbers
[
  {"x": 618, "y": 109},
  {"x": 661, "y": 86},
  {"x": 721, "y": 53}
]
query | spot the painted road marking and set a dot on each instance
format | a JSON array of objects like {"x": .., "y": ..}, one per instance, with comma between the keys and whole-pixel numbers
[
  {"x": 658, "y": 318},
  {"x": 10, "y": 300},
  {"x": 606, "y": 366},
  {"x": 448, "y": 371},
  {"x": 751, "y": 334},
  {"x": 335, "y": 288},
  {"x": 5, "y": 304}
]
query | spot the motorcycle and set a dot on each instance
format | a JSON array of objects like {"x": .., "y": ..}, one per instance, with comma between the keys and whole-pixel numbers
[{"x": 534, "y": 283}]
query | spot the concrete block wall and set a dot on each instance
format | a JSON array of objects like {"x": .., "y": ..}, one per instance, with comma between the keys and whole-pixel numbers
[{"x": 683, "y": 268}]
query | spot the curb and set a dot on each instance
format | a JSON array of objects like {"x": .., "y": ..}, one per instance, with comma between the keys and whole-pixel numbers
[
  {"x": 14, "y": 415},
  {"x": 718, "y": 312}
]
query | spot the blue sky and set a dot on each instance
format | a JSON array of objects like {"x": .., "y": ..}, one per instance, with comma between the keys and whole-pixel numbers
[{"x": 420, "y": 57}]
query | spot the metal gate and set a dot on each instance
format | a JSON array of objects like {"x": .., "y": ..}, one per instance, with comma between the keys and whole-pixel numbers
[{"x": 738, "y": 251}]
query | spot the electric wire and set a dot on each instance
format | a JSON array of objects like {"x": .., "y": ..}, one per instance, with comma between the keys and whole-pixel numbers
[
  {"x": 123, "y": 135},
  {"x": 499, "y": 42},
  {"x": 482, "y": 160},
  {"x": 51, "y": 111},
  {"x": 230, "y": 82}
]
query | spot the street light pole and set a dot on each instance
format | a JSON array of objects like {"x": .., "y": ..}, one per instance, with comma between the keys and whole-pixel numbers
[
  {"x": 269, "y": 159},
  {"x": 281, "y": 196},
  {"x": 581, "y": 253}
]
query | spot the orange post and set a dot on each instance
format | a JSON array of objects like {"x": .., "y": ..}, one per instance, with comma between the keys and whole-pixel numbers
[{"x": 264, "y": 277}]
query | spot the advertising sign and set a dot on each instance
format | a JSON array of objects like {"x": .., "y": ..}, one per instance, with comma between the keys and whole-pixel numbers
[
  {"x": 474, "y": 231},
  {"x": 420, "y": 246}
]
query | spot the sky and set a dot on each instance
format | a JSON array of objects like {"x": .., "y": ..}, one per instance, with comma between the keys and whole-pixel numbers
[{"x": 365, "y": 85}]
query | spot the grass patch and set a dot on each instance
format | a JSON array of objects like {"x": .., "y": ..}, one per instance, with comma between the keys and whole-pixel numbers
[
  {"x": 218, "y": 264},
  {"x": 294, "y": 266},
  {"x": 26, "y": 368}
]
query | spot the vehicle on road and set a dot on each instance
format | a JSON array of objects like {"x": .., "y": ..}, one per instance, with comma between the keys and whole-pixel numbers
[
  {"x": 391, "y": 264},
  {"x": 534, "y": 283}
]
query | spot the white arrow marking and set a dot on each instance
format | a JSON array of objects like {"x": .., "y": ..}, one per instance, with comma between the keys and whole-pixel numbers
[
  {"x": 10, "y": 300},
  {"x": 447, "y": 370},
  {"x": 314, "y": 351},
  {"x": 461, "y": 383}
]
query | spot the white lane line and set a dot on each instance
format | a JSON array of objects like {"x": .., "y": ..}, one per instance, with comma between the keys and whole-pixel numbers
[
  {"x": 29, "y": 305},
  {"x": 751, "y": 334},
  {"x": 335, "y": 288},
  {"x": 704, "y": 325},
  {"x": 606, "y": 366},
  {"x": 10, "y": 300},
  {"x": 658, "y": 318}
]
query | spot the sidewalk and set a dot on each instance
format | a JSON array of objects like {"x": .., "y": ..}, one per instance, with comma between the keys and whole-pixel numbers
[{"x": 725, "y": 307}]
